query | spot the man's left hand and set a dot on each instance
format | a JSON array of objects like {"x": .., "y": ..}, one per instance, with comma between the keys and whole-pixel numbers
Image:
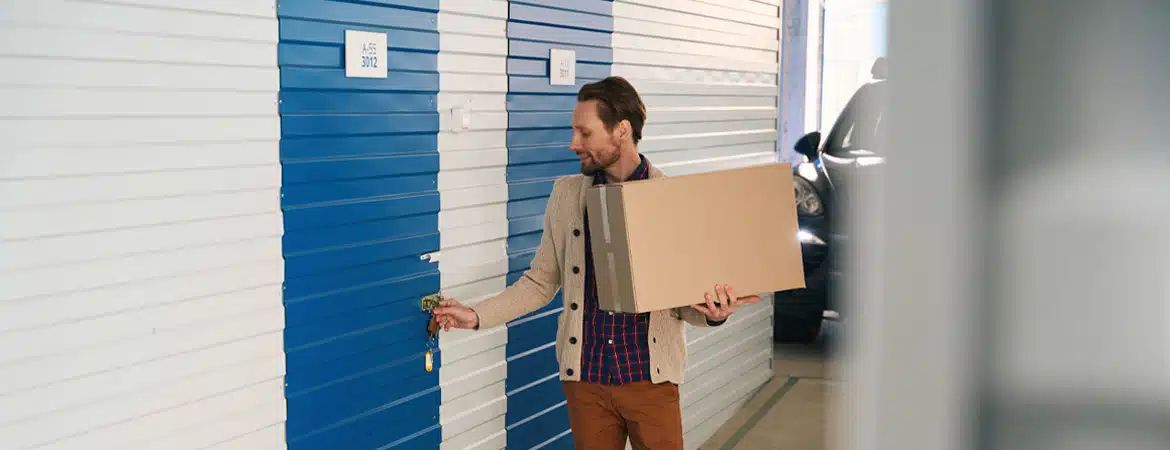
[{"x": 724, "y": 303}]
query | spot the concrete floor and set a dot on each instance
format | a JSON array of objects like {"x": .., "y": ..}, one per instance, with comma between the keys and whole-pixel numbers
[{"x": 792, "y": 411}]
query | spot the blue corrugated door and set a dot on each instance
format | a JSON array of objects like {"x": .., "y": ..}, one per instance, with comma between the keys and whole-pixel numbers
[
  {"x": 539, "y": 131},
  {"x": 360, "y": 167}
]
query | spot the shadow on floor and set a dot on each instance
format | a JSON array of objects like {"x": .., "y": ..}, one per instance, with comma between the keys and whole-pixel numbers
[
  {"x": 791, "y": 411},
  {"x": 816, "y": 360}
]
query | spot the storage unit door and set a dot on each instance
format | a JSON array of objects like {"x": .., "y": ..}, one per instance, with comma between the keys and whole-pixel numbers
[{"x": 361, "y": 206}]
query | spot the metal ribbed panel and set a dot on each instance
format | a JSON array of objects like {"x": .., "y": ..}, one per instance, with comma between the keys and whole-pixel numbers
[
  {"x": 539, "y": 132},
  {"x": 140, "y": 259},
  {"x": 473, "y": 51},
  {"x": 708, "y": 72},
  {"x": 361, "y": 205}
]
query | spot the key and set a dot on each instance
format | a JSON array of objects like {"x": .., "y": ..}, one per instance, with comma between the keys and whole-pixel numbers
[
  {"x": 428, "y": 305},
  {"x": 432, "y": 328}
]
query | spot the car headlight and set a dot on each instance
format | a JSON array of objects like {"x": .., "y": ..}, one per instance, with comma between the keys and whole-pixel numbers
[
  {"x": 806, "y": 237},
  {"x": 808, "y": 202}
]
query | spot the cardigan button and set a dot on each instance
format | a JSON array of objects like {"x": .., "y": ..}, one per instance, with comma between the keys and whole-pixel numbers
[
  {"x": 573, "y": 306},
  {"x": 576, "y": 269},
  {"x": 570, "y": 372},
  {"x": 576, "y": 232},
  {"x": 572, "y": 340}
]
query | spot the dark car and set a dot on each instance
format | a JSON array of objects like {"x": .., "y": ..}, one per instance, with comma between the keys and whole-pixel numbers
[{"x": 852, "y": 145}]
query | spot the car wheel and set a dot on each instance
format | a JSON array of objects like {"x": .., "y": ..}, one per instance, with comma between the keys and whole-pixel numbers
[
  {"x": 799, "y": 313},
  {"x": 797, "y": 322}
]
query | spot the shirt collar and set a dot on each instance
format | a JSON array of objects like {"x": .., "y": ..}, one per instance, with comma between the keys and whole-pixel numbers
[{"x": 641, "y": 172}]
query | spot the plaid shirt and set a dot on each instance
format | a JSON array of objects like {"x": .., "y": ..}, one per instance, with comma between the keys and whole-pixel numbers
[{"x": 615, "y": 350}]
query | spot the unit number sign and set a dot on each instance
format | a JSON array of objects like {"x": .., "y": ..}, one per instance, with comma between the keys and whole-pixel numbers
[
  {"x": 365, "y": 54},
  {"x": 562, "y": 67}
]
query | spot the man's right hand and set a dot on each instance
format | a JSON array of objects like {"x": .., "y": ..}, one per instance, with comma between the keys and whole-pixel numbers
[{"x": 452, "y": 314}]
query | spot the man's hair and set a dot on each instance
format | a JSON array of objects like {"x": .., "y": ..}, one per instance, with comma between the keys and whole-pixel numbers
[{"x": 617, "y": 100}]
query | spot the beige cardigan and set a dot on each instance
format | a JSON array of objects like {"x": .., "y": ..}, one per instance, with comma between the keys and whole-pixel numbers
[{"x": 562, "y": 247}]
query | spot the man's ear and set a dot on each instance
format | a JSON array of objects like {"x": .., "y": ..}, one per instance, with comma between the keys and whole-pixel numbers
[{"x": 624, "y": 129}]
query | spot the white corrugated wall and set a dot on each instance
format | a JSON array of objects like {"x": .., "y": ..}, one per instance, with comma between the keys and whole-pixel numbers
[
  {"x": 814, "y": 67},
  {"x": 140, "y": 252},
  {"x": 473, "y": 221},
  {"x": 849, "y": 53},
  {"x": 707, "y": 72},
  {"x": 140, "y": 227}
]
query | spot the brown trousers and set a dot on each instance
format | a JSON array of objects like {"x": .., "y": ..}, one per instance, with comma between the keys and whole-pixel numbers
[{"x": 602, "y": 417}]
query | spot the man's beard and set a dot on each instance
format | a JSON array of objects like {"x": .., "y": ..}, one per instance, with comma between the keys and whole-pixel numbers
[
  {"x": 595, "y": 166},
  {"x": 591, "y": 168}
]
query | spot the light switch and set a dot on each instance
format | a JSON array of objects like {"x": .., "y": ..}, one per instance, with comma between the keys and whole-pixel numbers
[{"x": 460, "y": 119}]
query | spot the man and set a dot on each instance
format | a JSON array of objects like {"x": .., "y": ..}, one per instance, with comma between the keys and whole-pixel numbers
[{"x": 620, "y": 371}]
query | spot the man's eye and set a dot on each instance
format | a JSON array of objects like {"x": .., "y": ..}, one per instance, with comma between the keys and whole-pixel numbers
[{"x": 585, "y": 135}]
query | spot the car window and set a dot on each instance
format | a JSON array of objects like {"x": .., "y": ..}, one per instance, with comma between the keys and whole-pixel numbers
[{"x": 858, "y": 132}]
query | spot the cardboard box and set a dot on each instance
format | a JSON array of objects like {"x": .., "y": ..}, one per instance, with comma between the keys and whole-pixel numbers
[{"x": 663, "y": 243}]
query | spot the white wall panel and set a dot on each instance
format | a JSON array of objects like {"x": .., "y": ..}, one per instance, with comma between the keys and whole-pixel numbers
[
  {"x": 849, "y": 53},
  {"x": 814, "y": 67},
  {"x": 473, "y": 225},
  {"x": 140, "y": 257},
  {"x": 708, "y": 72},
  {"x": 727, "y": 364}
]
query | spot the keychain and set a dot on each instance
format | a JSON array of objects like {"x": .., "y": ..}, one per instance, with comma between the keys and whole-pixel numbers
[
  {"x": 432, "y": 341},
  {"x": 429, "y": 303}
]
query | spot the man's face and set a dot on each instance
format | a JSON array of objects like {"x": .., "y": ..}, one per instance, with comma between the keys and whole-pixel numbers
[{"x": 597, "y": 147}]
